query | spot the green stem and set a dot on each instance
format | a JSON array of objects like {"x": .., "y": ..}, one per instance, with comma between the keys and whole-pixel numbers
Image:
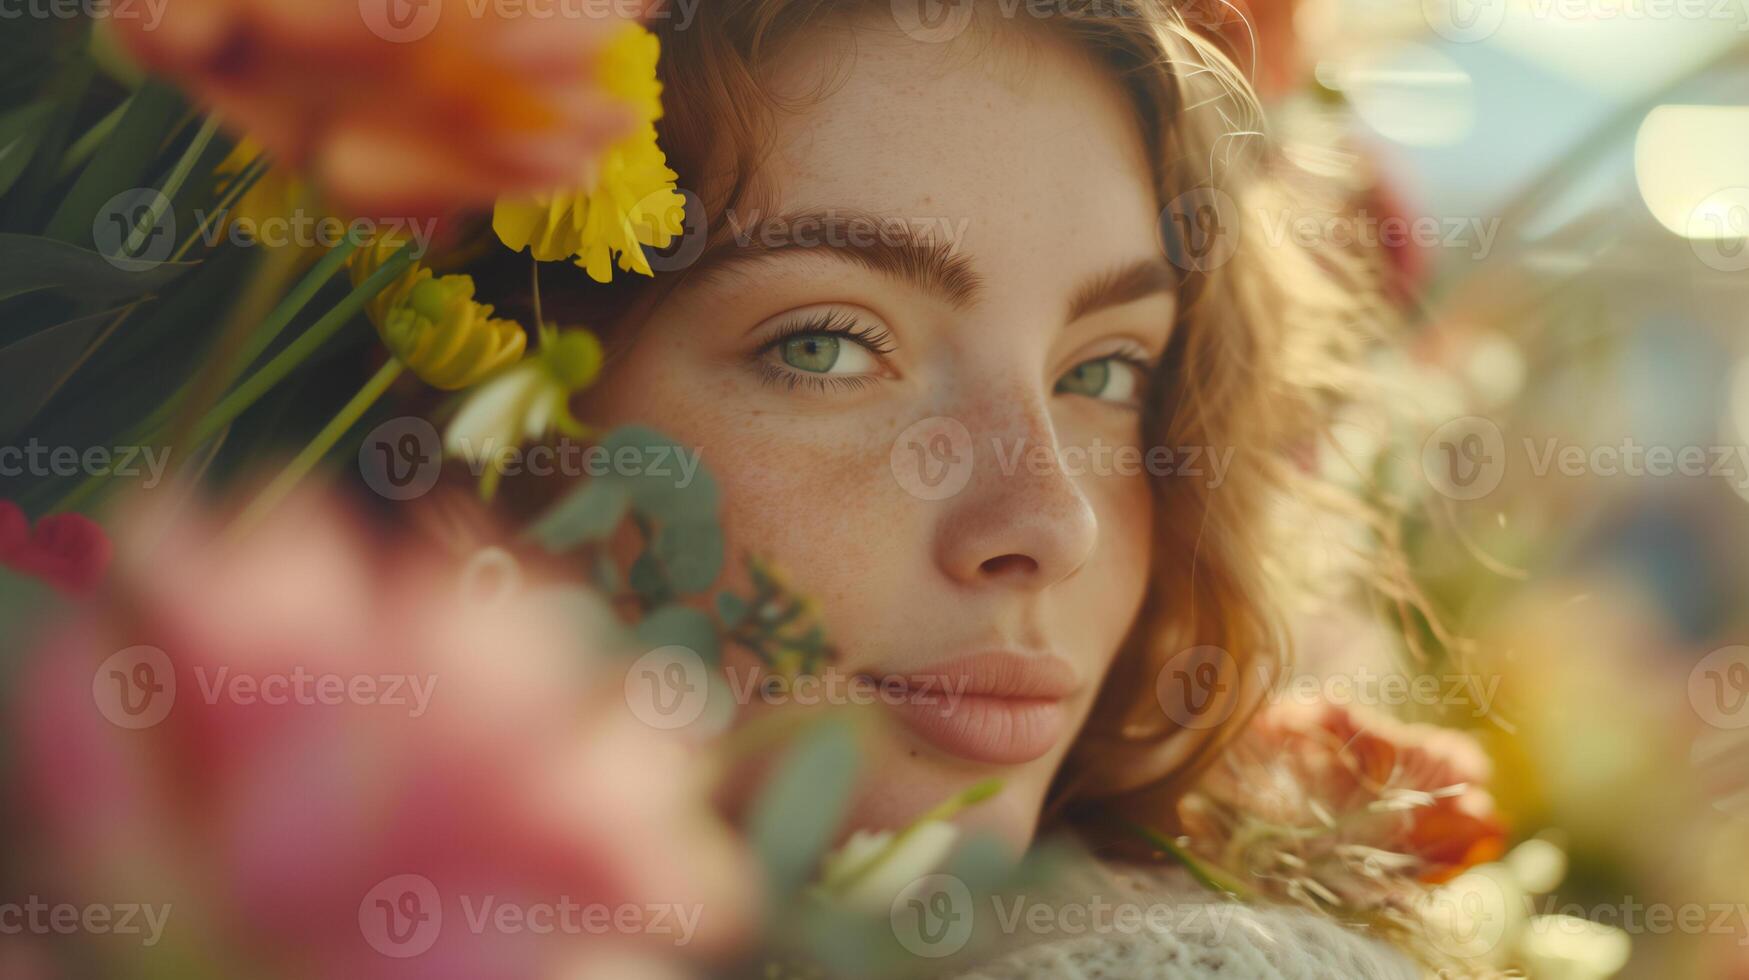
[
  {"x": 1206, "y": 876},
  {"x": 299, "y": 350},
  {"x": 245, "y": 179},
  {"x": 173, "y": 183},
  {"x": 240, "y": 399},
  {"x": 312, "y": 454},
  {"x": 269, "y": 329}
]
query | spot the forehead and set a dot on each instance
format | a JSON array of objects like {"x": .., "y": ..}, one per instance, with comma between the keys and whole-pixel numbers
[{"x": 1019, "y": 146}]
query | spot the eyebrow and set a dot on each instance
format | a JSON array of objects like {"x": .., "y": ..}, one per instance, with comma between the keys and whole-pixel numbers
[
  {"x": 1138, "y": 280},
  {"x": 894, "y": 247},
  {"x": 888, "y": 245}
]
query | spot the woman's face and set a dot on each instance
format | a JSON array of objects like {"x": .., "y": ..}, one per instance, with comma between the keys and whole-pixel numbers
[{"x": 917, "y": 378}]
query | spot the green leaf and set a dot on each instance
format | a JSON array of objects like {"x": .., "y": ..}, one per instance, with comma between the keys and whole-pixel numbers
[
  {"x": 606, "y": 574},
  {"x": 984, "y": 861},
  {"x": 589, "y": 514},
  {"x": 679, "y": 626},
  {"x": 648, "y": 580},
  {"x": 29, "y": 264},
  {"x": 655, "y": 469},
  {"x": 799, "y": 809},
  {"x": 731, "y": 609},
  {"x": 692, "y": 553},
  {"x": 123, "y": 164},
  {"x": 30, "y": 368},
  {"x": 35, "y": 193},
  {"x": 21, "y": 131}
]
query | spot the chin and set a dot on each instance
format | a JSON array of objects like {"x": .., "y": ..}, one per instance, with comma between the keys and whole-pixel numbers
[{"x": 905, "y": 780}]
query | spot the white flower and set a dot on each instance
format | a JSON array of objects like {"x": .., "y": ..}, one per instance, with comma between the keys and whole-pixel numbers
[
  {"x": 1564, "y": 947},
  {"x": 524, "y": 402},
  {"x": 869, "y": 870}
]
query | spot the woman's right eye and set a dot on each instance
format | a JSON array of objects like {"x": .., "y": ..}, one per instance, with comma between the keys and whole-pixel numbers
[
  {"x": 824, "y": 353},
  {"x": 834, "y": 348}
]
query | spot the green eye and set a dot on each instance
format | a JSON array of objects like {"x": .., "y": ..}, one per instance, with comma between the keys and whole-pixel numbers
[
  {"x": 1111, "y": 378},
  {"x": 1087, "y": 378},
  {"x": 814, "y": 352}
]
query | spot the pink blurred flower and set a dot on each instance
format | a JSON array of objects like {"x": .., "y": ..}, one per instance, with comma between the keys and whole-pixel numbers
[
  {"x": 1333, "y": 806},
  {"x": 68, "y": 551},
  {"x": 397, "y": 107},
  {"x": 464, "y": 757}
]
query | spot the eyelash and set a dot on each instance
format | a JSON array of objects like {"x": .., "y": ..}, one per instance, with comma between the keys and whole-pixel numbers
[
  {"x": 1132, "y": 355},
  {"x": 836, "y": 323},
  {"x": 879, "y": 342}
]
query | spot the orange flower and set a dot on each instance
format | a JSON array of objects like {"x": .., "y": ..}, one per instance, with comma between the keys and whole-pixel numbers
[
  {"x": 1336, "y": 807},
  {"x": 397, "y": 107}
]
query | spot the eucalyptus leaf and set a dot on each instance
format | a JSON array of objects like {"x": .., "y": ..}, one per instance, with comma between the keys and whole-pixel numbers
[
  {"x": 984, "y": 861},
  {"x": 588, "y": 514},
  {"x": 679, "y": 626},
  {"x": 656, "y": 470},
  {"x": 793, "y": 820},
  {"x": 731, "y": 609},
  {"x": 692, "y": 553},
  {"x": 648, "y": 580},
  {"x": 606, "y": 574}
]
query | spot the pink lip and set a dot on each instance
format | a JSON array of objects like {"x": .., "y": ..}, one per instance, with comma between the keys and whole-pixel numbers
[{"x": 997, "y": 708}]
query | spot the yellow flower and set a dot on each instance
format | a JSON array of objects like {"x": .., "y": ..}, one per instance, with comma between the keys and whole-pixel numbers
[
  {"x": 274, "y": 194},
  {"x": 624, "y": 201},
  {"x": 527, "y": 402},
  {"x": 434, "y": 327}
]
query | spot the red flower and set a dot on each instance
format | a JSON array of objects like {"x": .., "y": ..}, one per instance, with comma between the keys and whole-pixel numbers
[
  {"x": 312, "y": 745},
  {"x": 68, "y": 551}
]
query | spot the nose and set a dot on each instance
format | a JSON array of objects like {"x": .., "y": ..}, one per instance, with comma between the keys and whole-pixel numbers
[{"x": 1021, "y": 521}]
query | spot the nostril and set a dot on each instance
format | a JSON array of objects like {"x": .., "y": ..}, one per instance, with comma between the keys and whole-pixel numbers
[{"x": 1009, "y": 565}]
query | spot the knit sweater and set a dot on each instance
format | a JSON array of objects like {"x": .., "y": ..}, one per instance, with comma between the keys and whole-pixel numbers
[{"x": 1127, "y": 923}]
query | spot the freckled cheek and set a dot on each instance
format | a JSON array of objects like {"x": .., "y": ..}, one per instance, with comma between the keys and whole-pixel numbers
[
  {"x": 827, "y": 511},
  {"x": 1124, "y": 507}
]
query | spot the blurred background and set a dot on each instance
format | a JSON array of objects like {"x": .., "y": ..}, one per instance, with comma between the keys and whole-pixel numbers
[
  {"x": 1568, "y": 188},
  {"x": 1561, "y": 190}
]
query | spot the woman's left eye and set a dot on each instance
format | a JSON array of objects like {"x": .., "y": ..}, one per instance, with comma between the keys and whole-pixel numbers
[{"x": 1114, "y": 378}]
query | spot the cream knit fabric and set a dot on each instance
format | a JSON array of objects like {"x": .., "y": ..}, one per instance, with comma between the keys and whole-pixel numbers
[{"x": 1158, "y": 924}]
